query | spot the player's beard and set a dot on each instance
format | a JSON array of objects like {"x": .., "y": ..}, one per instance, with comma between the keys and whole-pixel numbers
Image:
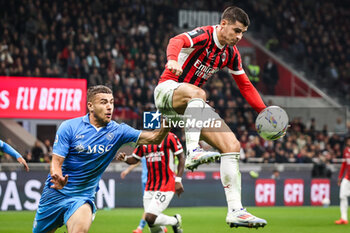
[{"x": 101, "y": 119}]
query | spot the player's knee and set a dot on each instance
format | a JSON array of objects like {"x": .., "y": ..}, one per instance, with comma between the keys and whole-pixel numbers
[
  {"x": 150, "y": 219},
  {"x": 231, "y": 145},
  {"x": 199, "y": 93}
]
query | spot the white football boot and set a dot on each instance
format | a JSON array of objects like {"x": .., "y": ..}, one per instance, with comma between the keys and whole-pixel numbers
[
  {"x": 198, "y": 156},
  {"x": 242, "y": 218},
  {"x": 178, "y": 227}
]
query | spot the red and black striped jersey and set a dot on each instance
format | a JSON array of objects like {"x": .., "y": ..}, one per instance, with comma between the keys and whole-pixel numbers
[
  {"x": 202, "y": 55},
  {"x": 160, "y": 161},
  {"x": 346, "y": 164}
]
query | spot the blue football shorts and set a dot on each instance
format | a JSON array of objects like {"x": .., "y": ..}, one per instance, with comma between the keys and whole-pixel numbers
[{"x": 56, "y": 208}]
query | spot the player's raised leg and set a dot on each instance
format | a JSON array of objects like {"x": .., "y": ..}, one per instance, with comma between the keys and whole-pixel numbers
[
  {"x": 189, "y": 100},
  {"x": 226, "y": 142},
  {"x": 81, "y": 220}
]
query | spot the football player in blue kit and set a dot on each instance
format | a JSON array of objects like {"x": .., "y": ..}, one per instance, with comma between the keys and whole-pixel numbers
[{"x": 82, "y": 150}]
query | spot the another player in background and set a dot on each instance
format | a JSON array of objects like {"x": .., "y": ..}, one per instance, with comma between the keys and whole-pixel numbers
[
  {"x": 193, "y": 57},
  {"x": 82, "y": 150},
  {"x": 344, "y": 184},
  {"x": 11, "y": 151},
  {"x": 142, "y": 223},
  {"x": 162, "y": 182}
]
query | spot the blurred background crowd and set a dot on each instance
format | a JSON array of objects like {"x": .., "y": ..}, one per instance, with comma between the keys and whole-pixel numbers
[{"x": 122, "y": 44}]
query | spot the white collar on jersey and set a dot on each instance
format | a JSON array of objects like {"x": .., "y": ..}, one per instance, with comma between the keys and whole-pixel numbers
[{"x": 216, "y": 40}]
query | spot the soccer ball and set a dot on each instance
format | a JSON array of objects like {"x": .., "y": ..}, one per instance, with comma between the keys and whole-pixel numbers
[
  {"x": 326, "y": 202},
  {"x": 272, "y": 123}
]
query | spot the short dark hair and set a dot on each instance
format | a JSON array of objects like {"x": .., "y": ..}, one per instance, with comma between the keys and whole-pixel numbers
[
  {"x": 233, "y": 14},
  {"x": 93, "y": 90}
]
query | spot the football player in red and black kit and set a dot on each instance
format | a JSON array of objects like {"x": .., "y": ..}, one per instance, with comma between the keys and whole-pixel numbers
[
  {"x": 344, "y": 184},
  {"x": 162, "y": 181},
  {"x": 193, "y": 57}
]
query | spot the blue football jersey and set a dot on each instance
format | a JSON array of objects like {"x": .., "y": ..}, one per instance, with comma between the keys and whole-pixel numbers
[{"x": 88, "y": 151}]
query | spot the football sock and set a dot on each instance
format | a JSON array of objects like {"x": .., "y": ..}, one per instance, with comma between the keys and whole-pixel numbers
[
  {"x": 231, "y": 179},
  {"x": 344, "y": 208},
  {"x": 164, "y": 220},
  {"x": 142, "y": 224},
  {"x": 193, "y": 112}
]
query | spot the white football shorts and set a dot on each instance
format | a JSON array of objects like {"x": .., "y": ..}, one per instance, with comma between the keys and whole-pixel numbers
[
  {"x": 344, "y": 188},
  {"x": 163, "y": 98},
  {"x": 155, "y": 202}
]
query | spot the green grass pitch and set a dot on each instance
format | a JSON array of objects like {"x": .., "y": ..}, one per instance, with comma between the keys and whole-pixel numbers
[{"x": 198, "y": 220}]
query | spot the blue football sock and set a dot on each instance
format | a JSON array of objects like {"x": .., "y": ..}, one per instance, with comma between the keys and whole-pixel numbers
[{"x": 142, "y": 223}]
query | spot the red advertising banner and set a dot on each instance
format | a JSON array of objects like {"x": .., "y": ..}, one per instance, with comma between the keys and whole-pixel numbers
[
  {"x": 42, "y": 98},
  {"x": 293, "y": 192},
  {"x": 265, "y": 192},
  {"x": 195, "y": 175},
  {"x": 320, "y": 191}
]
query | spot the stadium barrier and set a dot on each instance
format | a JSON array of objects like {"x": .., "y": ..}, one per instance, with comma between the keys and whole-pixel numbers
[{"x": 295, "y": 187}]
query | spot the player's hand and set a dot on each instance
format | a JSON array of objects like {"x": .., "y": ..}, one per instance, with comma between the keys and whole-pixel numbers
[
  {"x": 58, "y": 181},
  {"x": 24, "y": 163},
  {"x": 174, "y": 67},
  {"x": 121, "y": 156},
  {"x": 123, "y": 174},
  {"x": 339, "y": 181},
  {"x": 179, "y": 188}
]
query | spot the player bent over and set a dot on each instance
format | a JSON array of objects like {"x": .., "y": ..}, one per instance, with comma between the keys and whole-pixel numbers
[
  {"x": 344, "y": 184},
  {"x": 193, "y": 57},
  {"x": 161, "y": 182},
  {"x": 82, "y": 150}
]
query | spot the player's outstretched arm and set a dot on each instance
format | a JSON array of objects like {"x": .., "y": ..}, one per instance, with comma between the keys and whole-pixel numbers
[
  {"x": 153, "y": 137},
  {"x": 58, "y": 180},
  {"x": 129, "y": 169},
  {"x": 249, "y": 92},
  {"x": 11, "y": 151},
  {"x": 129, "y": 159},
  {"x": 180, "y": 170}
]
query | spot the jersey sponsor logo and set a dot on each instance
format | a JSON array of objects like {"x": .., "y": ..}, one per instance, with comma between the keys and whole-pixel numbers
[
  {"x": 79, "y": 136},
  {"x": 204, "y": 71},
  {"x": 154, "y": 156},
  {"x": 99, "y": 149}
]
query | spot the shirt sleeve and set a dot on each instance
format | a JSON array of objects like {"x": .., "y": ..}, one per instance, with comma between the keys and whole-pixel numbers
[
  {"x": 130, "y": 135},
  {"x": 138, "y": 152},
  {"x": 9, "y": 150},
  {"x": 246, "y": 88},
  {"x": 175, "y": 144},
  {"x": 193, "y": 39},
  {"x": 62, "y": 140}
]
